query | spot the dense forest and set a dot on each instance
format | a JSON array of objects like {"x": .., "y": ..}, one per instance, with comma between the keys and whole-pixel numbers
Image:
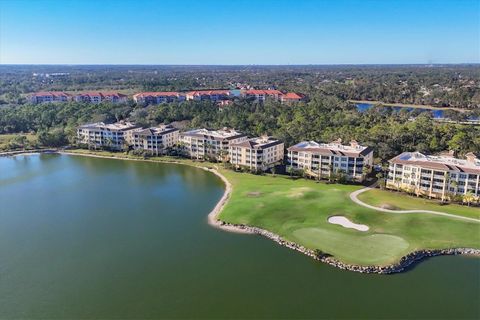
[
  {"x": 327, "y": 115},
  {"x": 323, "y": 118},
  {"x": 438, "y": 85}
]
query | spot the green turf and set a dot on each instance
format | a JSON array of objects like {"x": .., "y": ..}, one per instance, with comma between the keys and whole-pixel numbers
[
  {"x": 6, "y": 138},
  {"x": 400, "y": 201},
  {"x": 298, "y": 211}
]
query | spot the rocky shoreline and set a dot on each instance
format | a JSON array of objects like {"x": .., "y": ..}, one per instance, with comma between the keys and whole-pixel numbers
[{"x": 405, "y": 262}]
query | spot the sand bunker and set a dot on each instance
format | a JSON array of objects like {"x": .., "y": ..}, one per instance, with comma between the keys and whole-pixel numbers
[{"x": 344, "y": 222}]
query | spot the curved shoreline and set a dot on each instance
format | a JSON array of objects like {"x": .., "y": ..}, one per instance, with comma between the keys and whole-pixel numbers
[{"x": 403, "y": 263}]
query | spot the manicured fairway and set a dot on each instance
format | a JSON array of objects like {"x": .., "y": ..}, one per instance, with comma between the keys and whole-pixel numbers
[
  {"x": 400, "y": 201},
  {"x": 298, "y": 211}
]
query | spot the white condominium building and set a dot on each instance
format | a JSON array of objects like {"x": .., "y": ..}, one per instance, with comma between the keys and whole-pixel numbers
[
  {"x": 205, "y": 143},
  {"x": 158, "y": 97},
  {"x": 51, "y": 96},
  {"x": 97, "y": 97},
  {"x": 435, "y": 176},
  {"x": 323, "y": 159},
  {"x": 104, "y": 135},
  {"x": 257, "y": 153},
  {"x": 155, "y": 139}
]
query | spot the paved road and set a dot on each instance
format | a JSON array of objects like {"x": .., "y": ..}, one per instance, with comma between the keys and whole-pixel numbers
[{"x": 354, "y": 197}]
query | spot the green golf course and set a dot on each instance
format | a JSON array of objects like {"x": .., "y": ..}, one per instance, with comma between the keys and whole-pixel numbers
[{"x": 298, "y": 211}]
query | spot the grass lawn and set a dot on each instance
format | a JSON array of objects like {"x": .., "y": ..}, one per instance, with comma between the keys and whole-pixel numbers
[
  {"x": 298, "y": 211},
  {"x": 400, "y": 201},
  {"x": 5, "y": 139}
]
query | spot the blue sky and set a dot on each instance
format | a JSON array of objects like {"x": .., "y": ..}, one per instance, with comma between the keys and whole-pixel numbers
[{"x": 239, "y": 32}]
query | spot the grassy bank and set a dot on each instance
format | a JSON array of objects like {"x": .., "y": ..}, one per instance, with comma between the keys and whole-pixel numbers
[
  {"x": 298, "y": 211},
  {"x": 5, "y": 140},
  {"x": 401, "y": 201}
]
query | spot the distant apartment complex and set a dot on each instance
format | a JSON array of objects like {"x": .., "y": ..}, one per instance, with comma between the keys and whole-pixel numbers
[
  {"x": 261, "y": 95},
  {"x": 210, "y": 95},
  {"x": 104, "y": 135},
  {"x": 435, "y": 176},
  {"x": 205, "y": 143},
  {"x": 158, "y": 97},
  {"x": 222, "y": 97},
  {"x": 322, "y": 160},
  {"x": 51, "y": 96},
  {"x": 258, "y": 154},
  {"x": 155, "y": 140},
  {"x": 97, "y": 97}
]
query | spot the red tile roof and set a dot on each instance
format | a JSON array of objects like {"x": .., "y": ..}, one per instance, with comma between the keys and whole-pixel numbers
[
  {"x": 292, "y": 96},
  {"x": 208, "y": 92},
  {"x": 265, "y": 92},
  {"x": 157, "y": 94}
]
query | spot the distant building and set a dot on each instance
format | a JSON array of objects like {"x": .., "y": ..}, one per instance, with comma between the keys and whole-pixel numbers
[
  {"x": 104, "y": 135},
  {"x": 261, "y": 95},
  {"x": 98, "y": 97},
  {"x": 324, "y": 159},
  {"x": 155, "y": 139},
  {"x": 257, "y": 154},
  {"x": 291, "y": 97},
  {"x": 209, "y": 95},
  {"x": 158, "y": 97},
  {"x": 435, "y": 176},
  {"x": 205, "y": 143},
  {"x": 50, "y": 96}
]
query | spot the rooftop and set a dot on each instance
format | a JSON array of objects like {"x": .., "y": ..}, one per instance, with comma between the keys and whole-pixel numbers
[
  {"x": 332, "y": 148},
  {"x": 440, "y": 162},
  {"x": 209, "y": 92},
  {"x": 225, "y": 133},
  {"x": 118, "y": 126},
  {"x": 161, "y": 129},
  {"x": 258, "y": 143},
  {"x": 101, "y": 94}
]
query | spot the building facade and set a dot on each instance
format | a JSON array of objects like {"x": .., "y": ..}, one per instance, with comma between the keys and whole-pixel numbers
[
  {"x": 206, "y": 143},
  {"x": 51, "y": 96},
  {"x": 261, "y": 95},
  {"x": 158, "y": 97},
  {"x": 258, "y": 154},
  {"x": 155, "y": 140},
  {"x": 98, "y": 97},
  {"x": 208, "y": 95},
  {"x": 104, "y": 135},
  {"x": 434, "y": 176},
  {"x": 322, "y": 160}
]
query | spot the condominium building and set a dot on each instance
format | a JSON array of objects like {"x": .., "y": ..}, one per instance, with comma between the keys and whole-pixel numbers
[
  {"x": 322, "y": 160},
  {"x": 257, "y": 154},
  {"x": 435, "y": 176},
  {"x": 291, "y": 97},
  {"x": 261, "y": 95},
  {"x": 158, "y": 97},
  {"x": 104, "y": 135},
  {"x": 206, "y": 143},
  {"x": 51, "y": 96},
  {"x": 210, "y": 95},
  {"x": 98, "y": 97},
  {"x": 155, "y": 139}
]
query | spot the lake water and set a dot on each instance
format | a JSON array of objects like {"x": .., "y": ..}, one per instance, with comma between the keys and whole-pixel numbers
[
  {"x": 436, "y": 114},
  {"x": 100, "y": 238}
]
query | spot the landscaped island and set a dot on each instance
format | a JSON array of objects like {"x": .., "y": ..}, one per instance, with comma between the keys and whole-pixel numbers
[{"x": 295, "y": 213}]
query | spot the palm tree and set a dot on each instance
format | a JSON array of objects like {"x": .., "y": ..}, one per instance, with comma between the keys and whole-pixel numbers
[{"x": 468, "y": 198}]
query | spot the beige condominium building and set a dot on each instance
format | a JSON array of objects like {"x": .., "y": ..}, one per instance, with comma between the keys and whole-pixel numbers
[
  {"x": 257, "y": 154},
  {"x": 323, "y": 159},
  {"x": 435, "y": 176},
  {"x": 50, "y": 96},
  {"x": 104, "y": 135},
  {"x": 155, "y": 139},
  {"x": 206, "y": 143}
]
